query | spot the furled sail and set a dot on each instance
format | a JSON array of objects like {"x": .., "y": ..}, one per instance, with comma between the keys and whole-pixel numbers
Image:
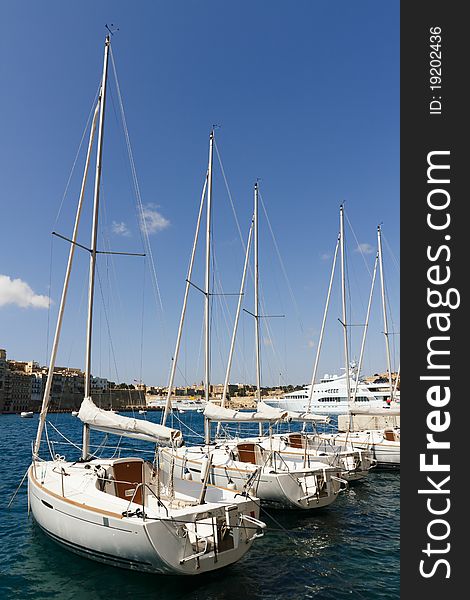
[
  {"x": 263, "y": 413},
  {"x": 379, "y": 411},
  {"x": 308, "y": 417},
  {"x": 108, "y": 422}
]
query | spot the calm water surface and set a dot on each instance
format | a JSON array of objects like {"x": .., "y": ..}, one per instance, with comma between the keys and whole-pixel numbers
[{"x": 348, "y": 550}]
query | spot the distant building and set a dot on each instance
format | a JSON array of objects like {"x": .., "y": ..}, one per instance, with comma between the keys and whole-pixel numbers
[
  {"x": 3, "y": 367},
  {"x": 15, "y": 385},
  {"x": 38, "y": 382},
  {"x": 99, "y": 384}
]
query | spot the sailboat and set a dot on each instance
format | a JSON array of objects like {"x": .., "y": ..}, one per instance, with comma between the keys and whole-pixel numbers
[
  {"x": 240, "y": 464},
  {"x": 331, "y": 394},
  {"x": 297, "y": 448},
  {"x": 382, "y": 442},
  {"x": 128, "y": 512}
]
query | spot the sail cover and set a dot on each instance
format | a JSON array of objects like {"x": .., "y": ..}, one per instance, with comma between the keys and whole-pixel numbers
[
  {"x": 310, "y": 417},
  {"x": 269, "y": 413},
  {"x": 263, "y": 413},
  {"x": 376, "y": 412},
  {"x": 108, "y": 422}
]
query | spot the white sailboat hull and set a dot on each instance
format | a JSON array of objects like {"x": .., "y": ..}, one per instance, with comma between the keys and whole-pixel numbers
[
  {"x": 354, "y": 464},
  {"x": 163, "y": 545},
  {"x": 294, "y": 488},
  {"x": 386, "y": 452}
]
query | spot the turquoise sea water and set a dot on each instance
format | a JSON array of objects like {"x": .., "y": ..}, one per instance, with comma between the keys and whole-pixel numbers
[{"x": 349, "y": 550}]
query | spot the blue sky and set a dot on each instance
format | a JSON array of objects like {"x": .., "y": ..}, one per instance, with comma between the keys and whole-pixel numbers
[{"x": 307, "y": 97}]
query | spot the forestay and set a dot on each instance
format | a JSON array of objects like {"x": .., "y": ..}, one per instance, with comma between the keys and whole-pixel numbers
[{"x": 108, "y": 422}]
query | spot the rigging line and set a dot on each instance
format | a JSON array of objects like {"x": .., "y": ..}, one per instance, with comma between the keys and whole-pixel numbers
[
  {"x": 201, "y": 338},
  {"x": 183, "y": 375},
  {"x": 266, "y": 325},
  {"x": 243, "y": 241},
  {"x": 215, "y": 329},
  {"x": 114, "y": 267},
  {"x": 116, "y": 297},
  {"x": 50, "y": 302},
  {"x": 142, "y": 325},
  {"x": 265, "y": 341},
  {"x": 141, "y": 213},
  {"x": 360, "y": 250},
  {"x": 348, "y": 270},
  {"x": 185, "y": 425},
  {"x": 109, "y": 257},
  {"x": 390, "y": 314},
  {"x": 110, "y": 261},
  {"x": 348, "y": 290},
  {"x": 225, "y": 311},
  {"x": 213, "y": 321},
  {"x": 389, "y": 248},
  {"x": 77, "y": 154},
  {"x": 223, "y": 307},
  {"x": 81, "y": 308},
  {"x": 229, "y": 195},
  {"x": 359, "y": 247},
  {"x": 283, "y": 268},
  {"x": 69, "y": 441},
  {"x": 107, "y": 323},
  {"x": 50, "y": 445},
  {"x": 18, "y": 488}
]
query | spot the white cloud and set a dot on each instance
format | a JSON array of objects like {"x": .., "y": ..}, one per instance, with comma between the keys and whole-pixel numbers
[
  {"x": 365, "y": 248},
  {"x": 311, "y": 343},
  {"x": 16, "y": 291},
  {"x": 152, "y": 220},
  {"x": 267, "y": 341},
  {"x": 325, "y": 256},
  {"x": 120, "y": 229}
]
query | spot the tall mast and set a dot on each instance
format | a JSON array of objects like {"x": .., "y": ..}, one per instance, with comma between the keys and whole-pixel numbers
[
  {"x": 207, "y": 284},
  {"x": 237, "y": 316},
  {"x": 94, "y": 234},
  {"x": 257, "y": 337},
  {"x": 384, "y": 310},
  {"x": 322, "y": 330},
  {"x": 257, "y": 340},
  {"x": 208, "y": 271},
  {"x": 235, "y": 324},
  {"x": 366, "y": 326},
  {"x": 343, "y": 302},
  {"x": 55, "y": 345},
  {"x": 397, "y": 380},
  {"x": 183, "y": 310}
]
